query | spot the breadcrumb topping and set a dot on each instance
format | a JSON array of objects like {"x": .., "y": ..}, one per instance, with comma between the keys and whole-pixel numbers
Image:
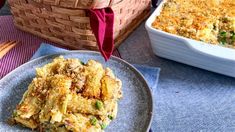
[{"x": 210, "y": 21}]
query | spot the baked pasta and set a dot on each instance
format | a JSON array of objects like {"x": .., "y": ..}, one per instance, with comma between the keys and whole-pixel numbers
[
  {"x": 68, "y": 95},
  {"x": 210, "y": 21}
]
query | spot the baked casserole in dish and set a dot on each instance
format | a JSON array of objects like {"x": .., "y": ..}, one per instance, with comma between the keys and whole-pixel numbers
[
  {"x": 199, "y": 33},
  {"x": 210, "y": 21}
]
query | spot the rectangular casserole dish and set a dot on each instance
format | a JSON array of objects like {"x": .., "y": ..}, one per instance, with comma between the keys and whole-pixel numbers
[{"x": 210, "y": 57}]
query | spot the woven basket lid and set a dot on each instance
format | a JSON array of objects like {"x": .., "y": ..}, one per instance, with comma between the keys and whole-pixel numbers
[{"x": 80, "y": 4}]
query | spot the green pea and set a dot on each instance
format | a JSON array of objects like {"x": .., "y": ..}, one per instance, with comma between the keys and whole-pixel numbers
[
  {"x": 223, "y": 34},
  {"x": 110, "y": 117},
  {"x": 82, "y": 63},
  {"x": 103, "y": 126},
  {"x": 98, "y": 105},
  {"x": 93, "y": 121}
]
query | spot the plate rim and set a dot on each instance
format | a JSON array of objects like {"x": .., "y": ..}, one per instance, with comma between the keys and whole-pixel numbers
[{"x": 97, "y": 53}]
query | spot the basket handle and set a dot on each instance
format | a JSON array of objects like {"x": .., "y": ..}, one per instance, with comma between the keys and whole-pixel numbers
[
  {"x": 108, "y": 3},
  {"x": 112, "y": 2},
  {"x": 80, "y": 4}
]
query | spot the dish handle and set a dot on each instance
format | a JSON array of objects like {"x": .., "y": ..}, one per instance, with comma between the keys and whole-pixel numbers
[{"x": 214, "y": 51}]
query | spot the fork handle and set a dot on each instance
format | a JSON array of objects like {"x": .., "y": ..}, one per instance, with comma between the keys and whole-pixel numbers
[{"x": 6, "y": 50}]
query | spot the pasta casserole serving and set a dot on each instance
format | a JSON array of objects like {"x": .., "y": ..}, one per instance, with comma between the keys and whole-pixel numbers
[{"x": 68, "y": 95}]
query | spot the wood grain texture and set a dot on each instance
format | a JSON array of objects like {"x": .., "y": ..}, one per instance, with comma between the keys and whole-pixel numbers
[
  {"x": 81, "y": 4},
  {"x": 5, "y": 47}
]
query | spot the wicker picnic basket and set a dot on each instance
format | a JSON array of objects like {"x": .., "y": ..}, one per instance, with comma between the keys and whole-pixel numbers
[{"x": 67, "y": 22}]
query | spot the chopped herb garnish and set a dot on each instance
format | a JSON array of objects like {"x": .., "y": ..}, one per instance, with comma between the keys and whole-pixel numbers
[
  {"x": 93, "y": 121},
  {"x": 233, "y": 37},
  {"x": 110, "y": 117},
  {"x": 82, "y": 63},
  {"x": 223, "y": 34},
  {"x": 214, "y": 27},
  {"x": 14, "y": 114},
  {"x": 225, "y": 20},
  {"x": 98, "y": 105},
  {"x": 103, "y": 126},
  {"x": 223, "y": 41},
  {"x": 232, "y": 32}
]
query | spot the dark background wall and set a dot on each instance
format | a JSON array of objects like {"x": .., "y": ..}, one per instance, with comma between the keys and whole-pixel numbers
[{"x": 5, "y": 10}]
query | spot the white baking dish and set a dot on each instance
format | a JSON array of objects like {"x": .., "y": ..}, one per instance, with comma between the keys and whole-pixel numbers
[{"x": 195, "y": 53}]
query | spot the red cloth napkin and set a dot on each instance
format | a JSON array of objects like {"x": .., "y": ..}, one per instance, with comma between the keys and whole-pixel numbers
[{"x": 102, "y": 22}]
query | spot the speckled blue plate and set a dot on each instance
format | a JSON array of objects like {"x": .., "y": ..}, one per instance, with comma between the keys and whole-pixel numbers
[{"x": 135, "y": 108}]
